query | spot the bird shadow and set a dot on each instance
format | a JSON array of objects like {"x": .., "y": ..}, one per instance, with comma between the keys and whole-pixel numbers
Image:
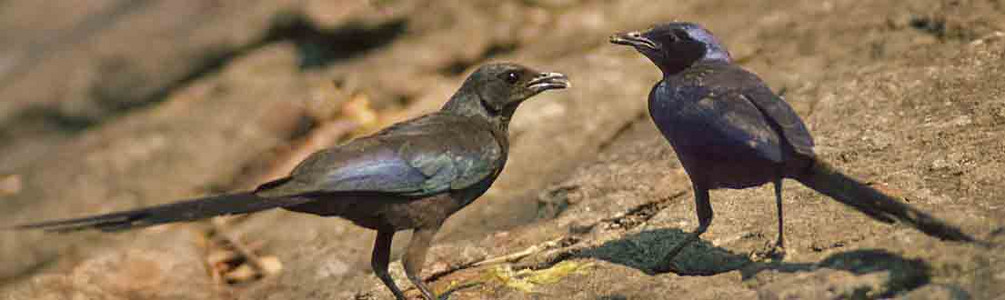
[{"x": 644, "y": 251}]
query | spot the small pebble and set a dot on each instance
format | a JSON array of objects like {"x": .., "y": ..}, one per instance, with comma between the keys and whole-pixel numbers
[{"x": 271, "y": 265}]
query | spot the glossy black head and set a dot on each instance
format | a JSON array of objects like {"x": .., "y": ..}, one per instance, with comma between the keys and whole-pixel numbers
[
  {"x": 674, "y": 46},
  {"x": 496, "y": 90}
]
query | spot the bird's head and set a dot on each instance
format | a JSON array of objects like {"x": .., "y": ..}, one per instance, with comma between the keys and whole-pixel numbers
[
  {"x": 674, "y": 46},
  {"x": 496, "y": 90}
]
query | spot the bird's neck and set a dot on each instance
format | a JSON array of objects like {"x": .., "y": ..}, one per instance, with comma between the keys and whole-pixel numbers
[
  {"x": 699, "y": 64},
  {"x": 679, "y": 61},
  {"x": 470, "y": 104},
  {"x": 716, "y": 53}
]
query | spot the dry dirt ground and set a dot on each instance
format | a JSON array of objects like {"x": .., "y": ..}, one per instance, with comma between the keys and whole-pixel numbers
[{"x": 116, "y": 104}]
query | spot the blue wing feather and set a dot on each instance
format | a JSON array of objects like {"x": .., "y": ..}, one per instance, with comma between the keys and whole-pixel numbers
[
  {"x": 718, "y": 123},
  {"x": 729, "y": 119},
  {"x": 384, "y": 173},
  {"x": 410, "y": 158}
]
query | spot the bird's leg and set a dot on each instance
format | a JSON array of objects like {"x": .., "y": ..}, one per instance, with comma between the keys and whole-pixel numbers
[
  {"x": 415, "y": 257},
  {"x": 780, "y": 242},
  {"x": 381, "y": 258},
  {"x": 776, "y": 249},
  {"x": 779, "y": 248},
  {"x": 704, "y": 209}
]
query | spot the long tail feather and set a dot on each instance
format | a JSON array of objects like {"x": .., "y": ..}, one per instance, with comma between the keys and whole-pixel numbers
[
  {"x": 184, "y": 211},
  {"x": 825, "y": 179}
]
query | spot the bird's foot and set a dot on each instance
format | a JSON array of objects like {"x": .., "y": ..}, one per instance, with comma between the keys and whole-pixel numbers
[{"x": 771, "y": 251}]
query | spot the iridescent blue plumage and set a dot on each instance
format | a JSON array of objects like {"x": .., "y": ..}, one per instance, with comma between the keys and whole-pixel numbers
[
  {"x": 419, "y": 158},
  {"x": 730, "y": 130}
]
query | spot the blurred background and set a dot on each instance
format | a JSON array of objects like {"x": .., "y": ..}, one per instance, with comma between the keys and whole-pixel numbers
[{"x": 115, "y": 104}]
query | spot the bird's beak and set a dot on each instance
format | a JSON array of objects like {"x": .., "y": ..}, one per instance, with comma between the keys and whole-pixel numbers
[
  {"x": 634, "y": 39},
  {"x": 548, "y": 81}
]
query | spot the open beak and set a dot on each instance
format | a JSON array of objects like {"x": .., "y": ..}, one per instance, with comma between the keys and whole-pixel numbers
[
  {"x": 548, "y": 81},
  {"x": 634, "y": 39}
]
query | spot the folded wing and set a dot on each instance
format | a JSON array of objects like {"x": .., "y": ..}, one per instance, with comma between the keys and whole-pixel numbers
[{"x": 430, "y": 155}]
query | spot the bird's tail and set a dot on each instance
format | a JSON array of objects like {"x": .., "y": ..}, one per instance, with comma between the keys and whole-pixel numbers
[
  {"x": 823, "y": 178},
  {"x": 189, "y": 210}
]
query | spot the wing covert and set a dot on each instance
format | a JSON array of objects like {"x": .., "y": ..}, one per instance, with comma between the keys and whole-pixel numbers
[
  {"x": 419, "y": 158},
  {"x": 718, "y": 121},
  {"x": 778, "y": 111}
]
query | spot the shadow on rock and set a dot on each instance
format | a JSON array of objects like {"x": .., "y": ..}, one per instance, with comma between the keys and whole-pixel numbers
[
  {"x": 858, "y": 274},
  {"x": 644, "y": 251}
]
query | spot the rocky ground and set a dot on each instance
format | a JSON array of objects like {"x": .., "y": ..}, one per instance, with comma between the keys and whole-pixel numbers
[{"x": 116, "y": 104}]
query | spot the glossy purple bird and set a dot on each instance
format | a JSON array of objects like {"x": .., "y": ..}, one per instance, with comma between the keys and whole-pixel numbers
[{"x": 730, "y": 130}]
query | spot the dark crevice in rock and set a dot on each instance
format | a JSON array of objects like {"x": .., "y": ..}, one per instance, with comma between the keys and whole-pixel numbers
[
  {"x": 27, "y": 273},
  {"x": 112, "y": 99},
  {"x": 933, "y": 26},
  {"x": 816, "y": 247},
  {"x": 251, "y": 171},
  {"x": 641, "y": 116},
  {"x": 943, "y": 29},
  {"x": 640, "y": 214},
  {"x": 316, "y": 48},
  {"x": 998, "y": 231},
  {"x": 111, "y": 96},
  {"x": 404, "y": 100},
  {"x": 553, "y": 259},
  {"x": 458, "y": 67},
  {"x": 93, "y": 23},
  {"x": 552, "y": 202},
  {"x": 50, "y": 117}
]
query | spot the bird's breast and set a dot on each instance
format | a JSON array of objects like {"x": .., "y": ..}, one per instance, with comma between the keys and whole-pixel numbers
[{"x": 672, "y": 106}]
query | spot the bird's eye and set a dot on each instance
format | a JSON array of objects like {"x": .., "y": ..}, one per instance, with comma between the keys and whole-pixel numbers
[{"x": 511, "y": 77}]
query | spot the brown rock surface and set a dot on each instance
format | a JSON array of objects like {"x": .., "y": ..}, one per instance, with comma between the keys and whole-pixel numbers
[
  {"x": 907, "y": 95},
  {"x": 156, "y": 156}
]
